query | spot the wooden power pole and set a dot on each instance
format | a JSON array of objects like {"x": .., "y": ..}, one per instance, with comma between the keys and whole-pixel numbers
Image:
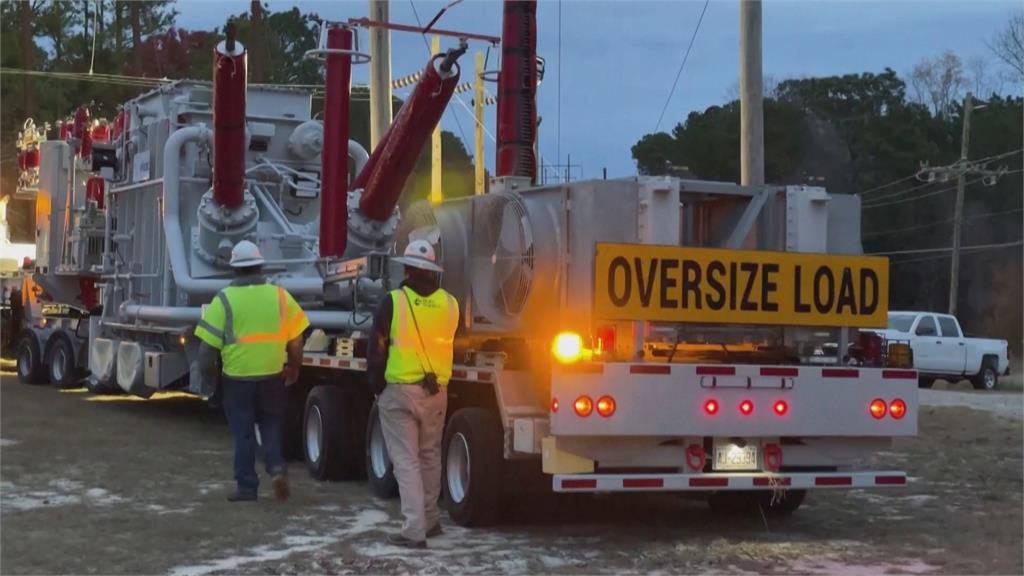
[{"x": 954, "y": 278}]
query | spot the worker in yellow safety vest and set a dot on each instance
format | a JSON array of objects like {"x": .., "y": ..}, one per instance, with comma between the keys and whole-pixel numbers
[
  {"x": 256, "y": 329},
  {"x": 411, "y": 353}
]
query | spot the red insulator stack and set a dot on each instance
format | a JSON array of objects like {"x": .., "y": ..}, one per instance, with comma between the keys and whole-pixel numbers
[
  {"x": 334, "y": 182},
  {"x": 384, "y": 176},
  {"x": 229, "y": 86},
  {"x": 517, "y": 91}
]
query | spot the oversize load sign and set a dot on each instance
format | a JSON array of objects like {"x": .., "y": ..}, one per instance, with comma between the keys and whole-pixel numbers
[{"x": 679, "y": 284}]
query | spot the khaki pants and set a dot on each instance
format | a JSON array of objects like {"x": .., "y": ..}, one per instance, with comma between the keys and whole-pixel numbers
[{"x": 413, "y": 423}]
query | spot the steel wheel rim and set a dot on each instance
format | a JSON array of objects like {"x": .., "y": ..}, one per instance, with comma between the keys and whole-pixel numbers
[
  {"x": 379, "y": 460},
  {"x": 990, "y": 378},
  {"x": 25, "y": 361},
  {"x": 57, "y": 366},
  {"x": 457, "y": 464},
  {"x": 314, "y": 434}
]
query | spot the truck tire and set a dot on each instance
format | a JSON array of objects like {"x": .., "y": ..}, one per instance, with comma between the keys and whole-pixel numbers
[
  {"x": 473, "y": 462},
  {"x": 379, "y": 471},
  {"x": 330, "y": 441},
  {"x": 988, "y": 377},
  {"x": 29, "y": 361},
  {"x": 925, "y": 382},
  {"x": 60, "y": 364}
]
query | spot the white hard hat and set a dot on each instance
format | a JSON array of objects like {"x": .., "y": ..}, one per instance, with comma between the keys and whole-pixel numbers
[
  {"x": 246, "y": 254},
  {"x": 420, "y": 254}
]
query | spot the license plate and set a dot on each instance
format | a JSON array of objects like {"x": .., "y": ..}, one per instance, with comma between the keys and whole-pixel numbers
[{"x": 733, "y": 457}]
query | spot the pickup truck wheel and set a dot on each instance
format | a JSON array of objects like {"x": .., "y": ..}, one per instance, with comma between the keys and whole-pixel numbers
[
  {"x": 379, "y": 470},
  {"x": 60, "y": 361},
  {"x": 329, "y": 437},
  {"x": 473, "y": 467},
  {"x": 29, "y": 361},
  {"x": 988, "y": 377},
  {"x": 925, "y": 382}
]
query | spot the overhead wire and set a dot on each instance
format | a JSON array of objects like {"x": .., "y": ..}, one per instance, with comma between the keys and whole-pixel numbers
[
  {"x": 937, "y": 250},
  {"x": 938, "y": 222},
  {"x": 679, "y": 72},
  {"x": 426, "y": 43},
  {"x": 930, "y": 194}
]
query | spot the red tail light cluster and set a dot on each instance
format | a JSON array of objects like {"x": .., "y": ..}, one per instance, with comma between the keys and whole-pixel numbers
[
  {"x": 745, "y": 407},
  {"x": 878, "y": 408}
]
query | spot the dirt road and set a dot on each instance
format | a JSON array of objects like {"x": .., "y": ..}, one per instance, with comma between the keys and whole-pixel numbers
[{"x": 105, "y": 484}]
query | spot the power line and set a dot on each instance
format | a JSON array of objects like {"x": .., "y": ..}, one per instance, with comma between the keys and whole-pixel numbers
[
  {"x": 681, "y": 65},
  {"x": 912, "y": 199},
  {"x": 899, "y": 193},
  {"x": 937, "y": 250},
  {"x": 893, "y": 183},
  {"x": 430, "y": 52},
  {"x": 946, "y": 221}
]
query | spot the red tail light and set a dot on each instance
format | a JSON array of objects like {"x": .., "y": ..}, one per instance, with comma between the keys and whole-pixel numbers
[
  {"x": 711, "y": 407},
  {"x": 781, "y": 407},
  {"x": 877, "y": 408},
  {"x": 584, "y": 406},
  {"x": 605, "y": 339},
  {"x": 606, "y": 406},
  {"x": 746, "y": 407},
  {"x": 898, "y": 408},
  {"x": 554, "y": 404}
]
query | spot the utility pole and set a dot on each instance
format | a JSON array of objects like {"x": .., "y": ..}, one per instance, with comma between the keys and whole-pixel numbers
[
  {"x": 436, "y": 192},
  {"x": 954, "y": 278},
  {"x": 751, "y": 95},
  {"x": 479, "y": 184},
  {"x": 380, "y": 73}
]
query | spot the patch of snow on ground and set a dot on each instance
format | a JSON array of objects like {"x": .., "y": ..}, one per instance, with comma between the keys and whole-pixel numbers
[
  {"x": 293, "y": 545},
  {"x": 101, "y": 497},
  {"x": 4, "y": 442},
  {"x": 35, "y": 500},
  {"x": 836, "y": 567}
]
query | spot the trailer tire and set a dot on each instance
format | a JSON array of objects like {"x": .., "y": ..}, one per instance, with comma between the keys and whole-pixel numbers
[
  {"x": 29, "y": 360},
  {"x": 379, "y": 470},
  {"x": 925, "y": 382},
  {"x": 60, "y": 363},
  {"x": 330, "y": 441},
  {"x": 473, "y": 462},
  {"x": 988, "y": 377}
]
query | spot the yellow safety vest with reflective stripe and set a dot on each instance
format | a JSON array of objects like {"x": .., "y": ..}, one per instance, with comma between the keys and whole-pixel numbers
[
  {"x": 251, "y": 326},
  {"x": 409, "y": 358}
]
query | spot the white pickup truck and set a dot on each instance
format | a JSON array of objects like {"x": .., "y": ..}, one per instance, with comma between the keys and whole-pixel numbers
[{"x": 941, "y": 350}]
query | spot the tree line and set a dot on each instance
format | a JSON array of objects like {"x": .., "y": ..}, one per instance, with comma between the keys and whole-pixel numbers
[{"x": 870, "y": 134}]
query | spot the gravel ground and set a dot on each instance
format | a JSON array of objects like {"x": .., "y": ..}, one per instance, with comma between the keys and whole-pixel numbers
[{"x": 110, "y": 485}]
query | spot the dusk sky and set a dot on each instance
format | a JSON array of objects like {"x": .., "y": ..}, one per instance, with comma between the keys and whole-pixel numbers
[{"x": 618, "y": 58}]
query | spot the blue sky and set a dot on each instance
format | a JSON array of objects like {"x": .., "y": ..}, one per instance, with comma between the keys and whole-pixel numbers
[{"x": 618, "y": 58}]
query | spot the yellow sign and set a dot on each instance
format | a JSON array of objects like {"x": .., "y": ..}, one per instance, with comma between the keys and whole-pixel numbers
[{"x": 681, "y": 284}]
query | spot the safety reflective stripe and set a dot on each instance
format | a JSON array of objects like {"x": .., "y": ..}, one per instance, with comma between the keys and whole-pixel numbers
[
  {"x": 229, "y": 319},
  {"x": 213, "y": 330},
  {"x": 282, "y": 328}
]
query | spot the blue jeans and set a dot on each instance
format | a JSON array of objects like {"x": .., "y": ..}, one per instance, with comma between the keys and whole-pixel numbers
[{"x": 248, "y": 403}]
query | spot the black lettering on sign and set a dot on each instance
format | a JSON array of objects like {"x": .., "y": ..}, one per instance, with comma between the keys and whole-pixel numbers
[
  {"x": 620, "y": 263},
  {"x": 798, "y": 304},
  {"x": 691, "y": 283},
  {"x": 868, "y": 305},
  {"x": 646, "y": 285},
  {"x": 732, "y": 286},
  {"x": 714, "y": 267},
  {"x": 668, "y": 282},
  {"x": 846, "y": 296},
  {"x": 751, "y": 269},
  {"x": 768, "y": 287},
  {"x": 824, "y": 305}
]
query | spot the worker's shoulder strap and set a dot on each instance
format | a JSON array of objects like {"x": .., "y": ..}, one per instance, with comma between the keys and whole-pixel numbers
[{"x": 229, "y": 316}]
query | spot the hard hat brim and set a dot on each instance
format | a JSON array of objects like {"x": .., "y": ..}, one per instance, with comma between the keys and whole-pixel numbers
[
  {"x": 247, "y": 262},
  {"x": 421, "y": 263}
]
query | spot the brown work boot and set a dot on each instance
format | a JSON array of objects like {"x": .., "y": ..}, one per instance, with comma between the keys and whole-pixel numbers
[{"x": 281, "y": 488}]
